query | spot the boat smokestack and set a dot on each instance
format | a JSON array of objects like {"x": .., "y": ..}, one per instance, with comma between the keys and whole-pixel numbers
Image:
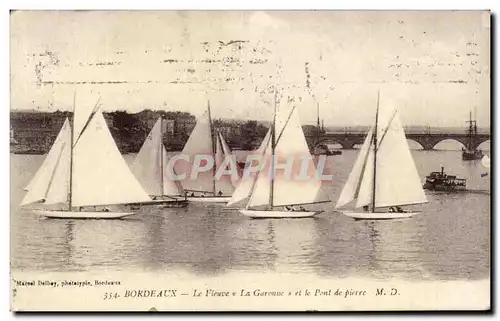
[{"x": 442, "y": 170}]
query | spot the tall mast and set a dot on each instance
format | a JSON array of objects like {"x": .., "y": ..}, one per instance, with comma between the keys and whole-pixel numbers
[
  {"x": 317, "y": 128},
  {"x": 273, "y": 146},
  {"x": 70, "y": 194},
  {"x": 475, "y": 120},
  {"x": 213, "y": 146},
  {"x": 469, "y": 131},
  {"x": 374, "y": 187},
  {"x": 161, "y": 154}
]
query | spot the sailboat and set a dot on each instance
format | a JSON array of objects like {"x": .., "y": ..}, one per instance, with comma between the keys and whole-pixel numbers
[
  {"x": 149, "y": 167},
  {"x": 384, "y": 176},
  {"x": 244, "y": 187},
  {"x": 276, "y": 196},
  {"x": 471, "y": 153},
  {"x": 204, "y": 140},
  {"x": 84, "y": 173},
  {"x": 486, "y": 161}
]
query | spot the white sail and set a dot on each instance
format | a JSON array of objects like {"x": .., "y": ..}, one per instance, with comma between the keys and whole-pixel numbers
[
  {"x": 100, "y": 174},
  {"x": 59, "y": 188},
  {"x": 223, "y": 183},
  {"x": 351, "y": 188},
  {"x": 286, "y": 190},
  {"x": 50, "y": 160},
  {"x": 51, "y": 181},
  {"x": 397, "y": 178},
  {"x": 146, "y": 166},
  {"x": 261, "y": 188},
  {"x": 291, "y": 144},
  {"x": 199, "y": 143},
  {"x": 244, "y": 187},
  {"x": 485, "y": 161},
  {"x": 170, "y": 187},
  {"x": 397, "y": 181},
  {"x": 232, "y": 159},
  {"x": 365, "y": 189},
  {"x": 149, "y": 165}
]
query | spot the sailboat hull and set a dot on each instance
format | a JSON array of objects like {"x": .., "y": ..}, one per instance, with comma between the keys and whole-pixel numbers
[
  {"x": 171, "y": 203},
  {"x": 163, "y": 202},
  {"x": 472, "y": 155},
  {"x": 278, "y": 214},
  {"x": 210, "y": 199},
  {"x": 82, "y": 214},
  {"x": 379, "y": 215}
]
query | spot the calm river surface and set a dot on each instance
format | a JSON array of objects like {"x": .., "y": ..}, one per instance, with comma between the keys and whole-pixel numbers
[{"x": 449, "y": 240}]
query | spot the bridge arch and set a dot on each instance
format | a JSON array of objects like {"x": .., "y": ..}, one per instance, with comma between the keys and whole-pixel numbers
[
  {"x": 346, "y": 144},
  {"x": 415, "y": 144},
  {"x": 482, "y": 142},
  {"x": 460, "y": 144},
  {"x": 426, "y": 140}
]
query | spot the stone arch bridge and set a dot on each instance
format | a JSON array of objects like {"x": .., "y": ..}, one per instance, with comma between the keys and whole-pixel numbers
[{"x": 427, "y": 140}]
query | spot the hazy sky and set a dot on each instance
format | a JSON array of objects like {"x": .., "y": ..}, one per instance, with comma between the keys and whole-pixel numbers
[{"x": 434, "y": 65}]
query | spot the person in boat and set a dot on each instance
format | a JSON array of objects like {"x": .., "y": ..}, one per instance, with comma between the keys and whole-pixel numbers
[
  {"x": 302, "y": 209},
  {"x": 192, "y": 194},
  {"x": 391, "y": 209},
  {"x": 220, "y": 193},
  {"x": 399, "y": 209},
  {"x": 288, "y": 208},
  {"x": 106, "y": 209},
  {"x": 365, "y": 208}
]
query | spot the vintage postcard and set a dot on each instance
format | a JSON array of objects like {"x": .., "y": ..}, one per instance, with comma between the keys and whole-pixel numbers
[{"x": 250, "y": 160}]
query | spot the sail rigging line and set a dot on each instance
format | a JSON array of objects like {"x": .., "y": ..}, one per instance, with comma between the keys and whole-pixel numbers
[
  {"x": 284, "y": 126},
  {"x": 70, "y": 192},
  {"x": 273, "y": 148},
  {"x": 387, "y": 128},
  {"x": 214, "y": 170},
  {"x": 243, "y": 189},
  {"x": 309, "y": 203},
  {"x": 49, "y": 185},
  {"x": 161, "y": 155},
  {"x": 363, "y": 169},
  {"x": 374, "y": 187},
  {"x": 91, "y": 117}
]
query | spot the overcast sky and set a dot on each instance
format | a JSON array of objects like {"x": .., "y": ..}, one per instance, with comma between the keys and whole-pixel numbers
[{"x": 433, "y": 65}]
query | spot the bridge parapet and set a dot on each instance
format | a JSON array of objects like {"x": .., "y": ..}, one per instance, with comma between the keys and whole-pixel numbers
[{"x": 426, "y": 140}]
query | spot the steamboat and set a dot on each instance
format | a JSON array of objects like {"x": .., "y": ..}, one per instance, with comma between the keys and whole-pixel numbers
[{"x": 440, "y": 181}]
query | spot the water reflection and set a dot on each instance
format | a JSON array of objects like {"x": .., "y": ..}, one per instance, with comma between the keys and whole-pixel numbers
[
  {"x": 449, "y": 240},
  {"x": 453, "y": 245},
  {"x": 91, "y": 244},
  {"x": 395, "y": 250},
  {"x": 285, "y": 245},
  {"x": 194, "y": 238}
]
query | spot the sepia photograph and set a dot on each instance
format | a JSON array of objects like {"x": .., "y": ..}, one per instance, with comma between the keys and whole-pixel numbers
[{"x": 282, "y": 160}]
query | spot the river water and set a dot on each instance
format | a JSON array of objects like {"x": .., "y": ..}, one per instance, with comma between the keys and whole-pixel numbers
[{"x": 449, "y": 240}]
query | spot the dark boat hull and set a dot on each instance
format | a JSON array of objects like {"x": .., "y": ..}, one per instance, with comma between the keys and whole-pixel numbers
[
  {"x": 443, "y": 188},
  {"x": 472, "y": 155},
  {"x": 176, "y": 204}
]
